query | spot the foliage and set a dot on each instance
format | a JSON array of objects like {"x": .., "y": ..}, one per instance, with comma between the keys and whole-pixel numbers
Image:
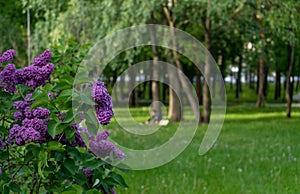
[{"x": 44, "y": 146}]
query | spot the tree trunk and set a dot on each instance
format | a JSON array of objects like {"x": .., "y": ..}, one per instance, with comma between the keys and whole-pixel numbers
[
  {"x": 238, "y": 80},
  {"x": 260, "y": 89},
  {"x": 206, "y": 94},
  {"x": 175, "y": 110},
  {"x": 298, "y": 76},
  {"x": 198, "y": 85},
  {"x": 132, "y": 96},
  {"x": 223, "y": 72},
  {"x": 164, "y": 93},
  {"x": 183, "y": 82},
  {"x": 122, "y": 86},
  {"x": 288, "y": 87},
  {"x": 265, "y": 80},
  {"x": 155, "y": 75},
  {"x": 261, "y": 68},
  {"x": 277, "y": 85},
  {"x": 251, "y": 80}
]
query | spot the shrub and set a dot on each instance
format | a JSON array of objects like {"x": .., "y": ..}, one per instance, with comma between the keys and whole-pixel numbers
[{"x": 44, "y": 145}]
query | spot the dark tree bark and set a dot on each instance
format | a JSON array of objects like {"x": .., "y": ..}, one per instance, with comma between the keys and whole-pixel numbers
[
  {"x": 132, "y": 95},
  {"x": 122, "y": 86},
  {"x": 155, "y": 75},
  {"x": 261, "y": 64},
  {"x": 198, "y": 85},
  {"x": 238, "y": 89},
  {"x": 206, "y": 94},
  {"x": 175, "y": 111},
  {"x": 251, "y": 80},
  {"x": 288, "y": 87},
  {"x": 277, "y": 85},
  {"x": 164, "y": 93},
  {"x": 265, "y": 80},
  {"x": 260, "y": 89}
]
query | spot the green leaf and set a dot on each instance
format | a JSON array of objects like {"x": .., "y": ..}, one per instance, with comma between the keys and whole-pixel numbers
[
  {"x": 86, "y": 99},
  {"x": 14, "y": 187},
  {"x": 43, "y": 157},
  {"x": 35, "y": 94},
  {"x": 43, "y": 101},
  {"x": 40, "y": 171},
  {"x": 5, "y": 94},
  {"x": 53, "y": 128},
  {"x": 74, "y": 189},
  {"x": 3, "y": 129},
  {"x": 69, "y": 133},
  {"x": 63, "y": 84},
  {"x": 119, "y": 179},
  {"x": 55, "y": 146},
  {"x": 91, "y": 122},
  {"x": 4, "y": 155},
  {"x": 81, "y": 179},
  {"x": 83, "y": 80},
  {"x": 75, "y": 153},
  {"x": 69, "y": 117},
  {"x": 93, "y": 164},
  {"x": 93, "y": 191},
  {"x": 67, "y": 92},
  {"x": 28, "y": 157},
  {"x": 69, "y": 164}
]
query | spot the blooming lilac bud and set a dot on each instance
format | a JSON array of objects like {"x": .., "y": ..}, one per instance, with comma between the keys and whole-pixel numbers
[
  {"x": 103, "y": 135},
  {"x": 20, "y": 105},
  {"x": 7, "y": 78},
  {"x": 101, "y": 148},
  {"x": 103, "y": 107},
  {"x": 43, "y": 59},
  {"x": 88, "y": 173},
  {"x": 7, "y": 56},
  {"x": 18, "y": 115},
  {"x": 119, "y": 153},
  {"x": 112, "y": 191},
  {"x": 41, "y": 113}
]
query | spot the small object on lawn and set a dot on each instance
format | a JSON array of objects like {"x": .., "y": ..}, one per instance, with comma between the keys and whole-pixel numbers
[{"x": 163, "y": 122}]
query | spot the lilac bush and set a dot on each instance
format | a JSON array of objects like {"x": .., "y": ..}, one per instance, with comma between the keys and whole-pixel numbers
[
  {"x": 39, "y": 135},
  {"x": 103, "y": 107}
]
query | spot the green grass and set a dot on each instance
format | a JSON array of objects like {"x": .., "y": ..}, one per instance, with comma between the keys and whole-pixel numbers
[{"x": 258, "y": 151}]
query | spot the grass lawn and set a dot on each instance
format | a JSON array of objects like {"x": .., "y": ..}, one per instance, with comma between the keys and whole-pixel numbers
[{"x": 258, "y": 151}]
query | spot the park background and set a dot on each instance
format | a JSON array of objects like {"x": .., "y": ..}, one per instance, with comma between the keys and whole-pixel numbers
[{"x": 256, "y": 46}]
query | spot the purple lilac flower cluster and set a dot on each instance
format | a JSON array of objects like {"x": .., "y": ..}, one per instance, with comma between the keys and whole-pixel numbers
[
  {"x": 103, "y": 105},
  {"x": 33, "y": 76},
  {"x": 37, "y": 73},
  {"x": 102, "y": 148},
  {"x": 34, "y": 123},
  {"x": 8, "y": 79},
  {"x": 7, "y": 56}
]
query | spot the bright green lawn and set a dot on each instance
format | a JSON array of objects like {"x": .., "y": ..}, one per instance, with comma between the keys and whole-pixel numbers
[{"x": 258, "y": 151}]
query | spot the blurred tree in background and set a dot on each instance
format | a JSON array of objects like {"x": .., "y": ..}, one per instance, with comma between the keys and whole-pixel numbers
[{"x": 251, "y": 40}]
